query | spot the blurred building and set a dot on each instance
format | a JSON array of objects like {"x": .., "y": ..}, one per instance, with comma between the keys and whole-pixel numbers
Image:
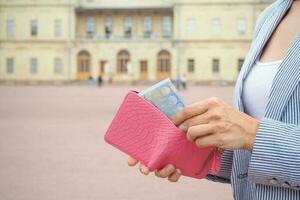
[{"x": 50, "y": 40}]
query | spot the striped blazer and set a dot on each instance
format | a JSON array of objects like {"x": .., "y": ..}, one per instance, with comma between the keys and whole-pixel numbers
[{"x": 272, "y": 169}]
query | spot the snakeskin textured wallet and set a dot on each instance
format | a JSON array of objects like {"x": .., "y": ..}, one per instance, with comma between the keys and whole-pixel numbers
[{"x": 142, "y": 131}]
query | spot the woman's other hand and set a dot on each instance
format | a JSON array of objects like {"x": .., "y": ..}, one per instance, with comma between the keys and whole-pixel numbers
[
  {"x": 212, "y": 122},
  {"x": 168, "y": 171}
]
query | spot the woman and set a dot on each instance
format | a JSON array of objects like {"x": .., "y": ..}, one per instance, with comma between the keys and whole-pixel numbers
[{"x": 261, "y": 134}]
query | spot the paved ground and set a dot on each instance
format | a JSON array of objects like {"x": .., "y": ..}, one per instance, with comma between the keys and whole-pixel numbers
[{"x": 52, "y": 147}]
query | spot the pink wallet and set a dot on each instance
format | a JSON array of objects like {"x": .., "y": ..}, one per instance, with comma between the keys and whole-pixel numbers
[{"x": 142, "y": 131}]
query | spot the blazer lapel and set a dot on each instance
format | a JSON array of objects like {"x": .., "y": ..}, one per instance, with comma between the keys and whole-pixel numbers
[
  {"x": 257, "y": 46},
  {"x": 285, "y": 82}
]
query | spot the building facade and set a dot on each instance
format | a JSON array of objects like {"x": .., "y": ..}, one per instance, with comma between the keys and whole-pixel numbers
[{"x": 125, "y": 40}]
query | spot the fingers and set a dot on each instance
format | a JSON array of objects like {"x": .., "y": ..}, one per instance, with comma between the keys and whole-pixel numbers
[
  {"x": 175, "y": 176},
  {"x": 131, "y": 161},
  {"x": 143, "y": 169},
  {"x": 188, "y": 112},
  {"x": 199, "y": 131},
  {"x": 165, "y": 172},
  {"x": 168, "y": 171},
  {"x": 196, "y": 120},
  {"x": 208, "y": 141}
]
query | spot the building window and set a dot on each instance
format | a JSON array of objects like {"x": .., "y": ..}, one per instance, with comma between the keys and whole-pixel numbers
[
  {"x": 143, "y": 66},
  {"x": 123, "y": 59},
  {"x": 108, "y": 27},
  {"x": 34, "y": 27},
  {"x": 240, "y": 64},
  {"x": 191, "y": 65},
  {"x": 166, "y": 26},
  {"x": 164, "y": 61},
  {"x": 191, "y": 25},
  {"x": 90, "y": 27},
  {"x": 83, "y": 62},
  {"x": 241, "y": 26},
  {"x": 216, "y": 65},
  {"x": 147, "y": 27},
  {"x": 127, "y": 27},
  {"x": 33, "y": 66},
  {"x": 10, "y": 27},
  {"x": 57, "y": 28},
  {"x": 57, "y": 66},
  {"x": 216, "y": 26},
  {"x": 9, "y": 65}
]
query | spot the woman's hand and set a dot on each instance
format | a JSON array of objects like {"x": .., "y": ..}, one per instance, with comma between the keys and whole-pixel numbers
[
  {"x": 168, "y": 171},
  {"x": 212, "y": 122}
]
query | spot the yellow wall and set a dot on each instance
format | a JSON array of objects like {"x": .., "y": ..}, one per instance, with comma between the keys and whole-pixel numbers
[
  {"x": 203, "y": 15},
  {"x": 202, "y": 45},
  {"x": 45, "y": 54}
]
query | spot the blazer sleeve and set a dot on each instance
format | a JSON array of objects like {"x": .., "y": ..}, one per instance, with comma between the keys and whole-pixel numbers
[
  {"x": 225, "y": 172},
  {"x": 275, "y": 158}
]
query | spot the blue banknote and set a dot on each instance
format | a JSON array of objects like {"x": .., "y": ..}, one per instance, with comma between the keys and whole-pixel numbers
[{"x": 165, "y": 97}]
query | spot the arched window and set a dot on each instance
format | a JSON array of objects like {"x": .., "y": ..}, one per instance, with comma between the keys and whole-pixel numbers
[
  {"x": 122, "y": 60},
  {"x": 164, "y": 61},
  {"x": 83, "y": 65}
]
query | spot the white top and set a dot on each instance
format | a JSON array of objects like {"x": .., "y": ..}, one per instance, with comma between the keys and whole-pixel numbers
[{"x": 257, "y": 87}]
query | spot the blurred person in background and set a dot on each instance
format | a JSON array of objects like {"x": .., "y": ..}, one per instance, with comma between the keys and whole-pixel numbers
[
  {"x": 261, "y": 134},
  {"x": 90, "y": 81},
  {"x": 100, "y": 80},
  {"x": 178, "y": 83},
  {"x": 183, "y": 80}
]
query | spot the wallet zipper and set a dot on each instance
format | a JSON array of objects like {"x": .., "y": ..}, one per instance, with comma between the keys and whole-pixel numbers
[
  {"x": 216, "y": 153},
  {"x": 210, "y": 156}
]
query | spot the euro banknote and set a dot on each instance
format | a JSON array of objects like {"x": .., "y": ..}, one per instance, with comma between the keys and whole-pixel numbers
[{"x": 165, "y": 97}]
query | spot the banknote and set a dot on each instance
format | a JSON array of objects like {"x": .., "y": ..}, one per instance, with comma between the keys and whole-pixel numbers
[{"x": 165, "y": 97}]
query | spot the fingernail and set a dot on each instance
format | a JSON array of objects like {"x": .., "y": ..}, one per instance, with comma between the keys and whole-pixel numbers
[
  {"x": 145, "y": 170},
  {"x": 170, "y": 168}
]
